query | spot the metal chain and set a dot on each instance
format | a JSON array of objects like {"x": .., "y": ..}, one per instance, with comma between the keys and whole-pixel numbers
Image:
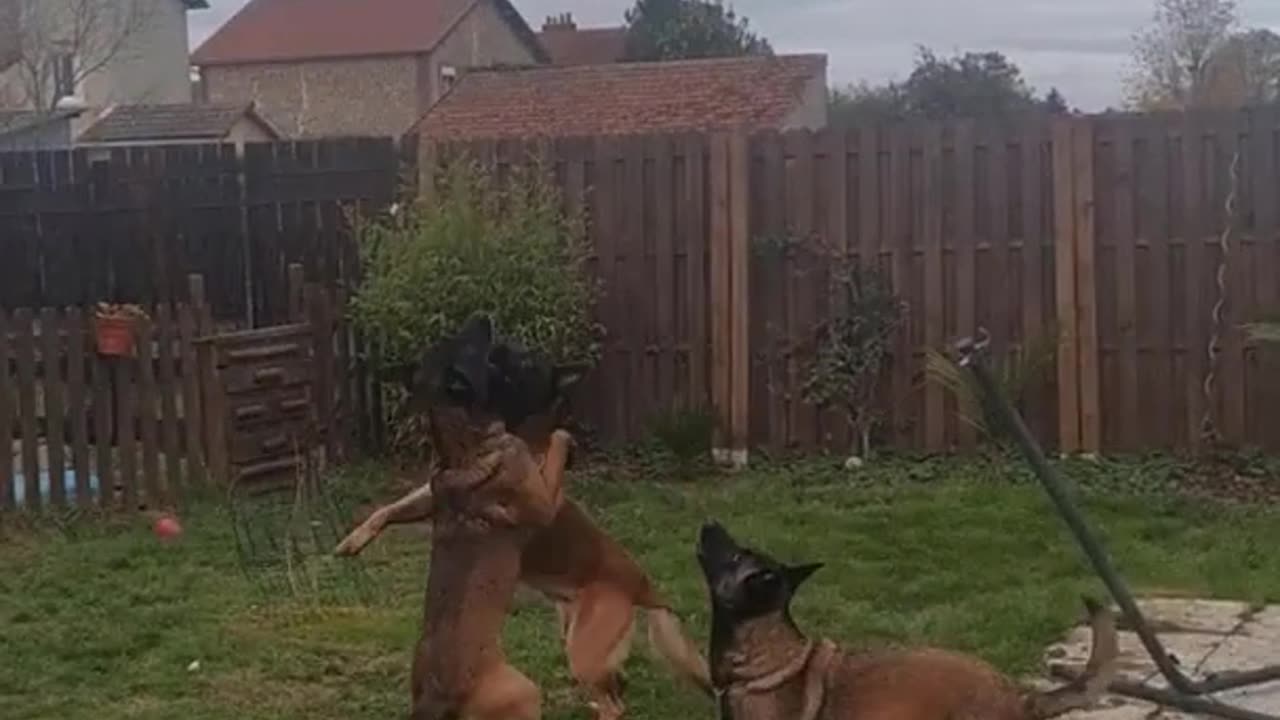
[{"x": 1208, "y": 428}]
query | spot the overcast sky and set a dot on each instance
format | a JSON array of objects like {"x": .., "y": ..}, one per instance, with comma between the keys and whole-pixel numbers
[{"x": 1080, "y": 46}]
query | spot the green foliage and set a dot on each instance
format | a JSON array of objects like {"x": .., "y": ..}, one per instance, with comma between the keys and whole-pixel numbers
[
  {"x": 972, "y": 84},
  {"x": 685, "y": 434},
  {"x": 1265, "y": 332},
  {"x": 685, "y": 29},
  {"x": 477, "y": 245},
  {"x": 852, "y": 347},
  {"x": 1013, "y": 375}
]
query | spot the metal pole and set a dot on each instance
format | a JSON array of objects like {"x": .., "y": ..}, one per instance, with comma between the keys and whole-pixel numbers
[{"x": 971, "y": 352}]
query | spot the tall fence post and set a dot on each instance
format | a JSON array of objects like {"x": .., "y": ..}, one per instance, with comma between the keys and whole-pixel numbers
[
  {"x": 1079, "y": 421},
  {"x": 730, "y": 295}
]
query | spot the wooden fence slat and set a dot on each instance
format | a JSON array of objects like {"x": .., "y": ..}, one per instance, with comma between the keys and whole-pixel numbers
[
  {"x": 1123, "y": 235},
  {"x": 1158, "y": 400},
  {"x": 169, "y": 391},
  {"x": 1033, "y": 276},
  {"x": 146, "y": 413},
  {"x": 836, "y": 181},
  {"x": 630, "y": 275},
  {"x": 964, "y": 243},
  {"x": 604, "y": 230},
  {"x": 776, "y": 314},
  {"x": 901, "y": 244},
  {"x": 934, "y": 315},
  {"x": 1231, "y": 378},
  {"x": 105, "y": 425},
  {"x": 740, "y": 300},
  {"x": 1194, "y": 263},
  {"x": 721, "y": 297},
  {"x": 998, "y": 296},
  {"x": 664, "y": 260},
  {"x": 26, "y": 362},
  {"x": 126, "y": 391},
  {"x": 51, "y": 355},
  {"x": 1264, "y": 396},
  {"x": 800, "y": 277},
  {"x": 78, "y": 404},
  {"x": 1086, "y": 281},
  {"x": 7, "y": 415},
  {"x": 1064, "y": 204},
  {"x": 695, "y": 207}
]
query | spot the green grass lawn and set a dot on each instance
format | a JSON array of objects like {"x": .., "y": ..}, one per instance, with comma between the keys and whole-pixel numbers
[{"x": 102, "y": 621}]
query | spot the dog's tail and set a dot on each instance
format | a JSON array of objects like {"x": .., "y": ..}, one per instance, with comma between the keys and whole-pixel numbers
[
  {"x": 1098, "y": 673},
  {"x": 668, "y": 638}
]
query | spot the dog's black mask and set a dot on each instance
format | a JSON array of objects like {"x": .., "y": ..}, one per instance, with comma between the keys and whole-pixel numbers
[
  {"x": 745, "y": 583},
  {"x": 487, "y": 379},
  {"x": 523, "y": 384}
]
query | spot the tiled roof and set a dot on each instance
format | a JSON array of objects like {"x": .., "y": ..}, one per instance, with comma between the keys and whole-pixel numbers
[
  {"x": 590, "y": 46},
  {"x": 623, "y": 98},
  {"x": 290, "y": 30},
  {"x": 129, "y": 123}
]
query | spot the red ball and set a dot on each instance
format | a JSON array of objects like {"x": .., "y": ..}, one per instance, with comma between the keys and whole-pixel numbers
[{"x": 167, "y": 527}]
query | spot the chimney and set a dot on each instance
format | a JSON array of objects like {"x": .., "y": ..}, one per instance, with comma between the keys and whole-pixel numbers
[{"x": 560, "y": 23}]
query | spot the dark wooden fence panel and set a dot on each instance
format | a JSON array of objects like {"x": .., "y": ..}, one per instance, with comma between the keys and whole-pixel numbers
[{"x": 129, "y": 224}]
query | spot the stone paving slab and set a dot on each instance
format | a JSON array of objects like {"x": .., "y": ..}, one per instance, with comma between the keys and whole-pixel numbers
[{"x": 1206, "y": 636}]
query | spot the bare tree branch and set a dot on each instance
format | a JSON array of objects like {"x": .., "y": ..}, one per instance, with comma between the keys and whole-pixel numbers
[{"x": 76, "y": 39}]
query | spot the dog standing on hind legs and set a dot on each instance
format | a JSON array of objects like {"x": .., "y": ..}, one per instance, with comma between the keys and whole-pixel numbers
[
  {"x": 489, "y": 500},
  {"x": 764, "y": 668},
  {"x": 596, "y": 586}
]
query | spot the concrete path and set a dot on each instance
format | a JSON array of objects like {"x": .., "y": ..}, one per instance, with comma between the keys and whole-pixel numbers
[{"x": 1205, "y": 636}]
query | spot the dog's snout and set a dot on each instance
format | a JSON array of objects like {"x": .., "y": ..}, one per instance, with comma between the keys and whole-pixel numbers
[{"x": 714, "y": 540}]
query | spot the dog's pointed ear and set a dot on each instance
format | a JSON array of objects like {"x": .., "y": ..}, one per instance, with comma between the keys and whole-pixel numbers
[
  {"x": 797, "y": 574},
  {"x": 477, "y": 331},
  {"x": 566, "y": 377}
]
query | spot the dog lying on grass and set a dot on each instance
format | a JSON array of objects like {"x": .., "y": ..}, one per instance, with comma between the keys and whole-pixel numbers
[
  {"x": 764, "y": 668},
  {"x": 595, "y": 584},
  {"x": 488, "y": 503}
]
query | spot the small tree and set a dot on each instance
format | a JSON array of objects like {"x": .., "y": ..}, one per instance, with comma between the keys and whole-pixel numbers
[
  {"x": 61, "y": 43},
  {"x": 1173, "y": 55},
  {"x": 686, "y": 29},
  {"x": 475, "y": 244},
  {"x": 964, "y": 85},
  {"x": 852, "y": 347}
]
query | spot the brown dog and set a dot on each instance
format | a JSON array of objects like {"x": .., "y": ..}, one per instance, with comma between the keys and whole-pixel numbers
[
  {"x": 764, "y": 668},
  {"x": 596, "y": 585},
  {"x": 489, "y": 501}
]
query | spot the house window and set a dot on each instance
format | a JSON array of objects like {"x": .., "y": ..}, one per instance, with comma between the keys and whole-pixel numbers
[{"x": 64, "y": 75}]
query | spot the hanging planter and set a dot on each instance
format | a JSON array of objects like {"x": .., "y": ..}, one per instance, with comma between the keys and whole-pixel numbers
[{"x": 114, "y": 328}]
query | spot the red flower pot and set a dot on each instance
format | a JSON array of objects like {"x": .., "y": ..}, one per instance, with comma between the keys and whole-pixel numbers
[{"x": 114, "y": 336}]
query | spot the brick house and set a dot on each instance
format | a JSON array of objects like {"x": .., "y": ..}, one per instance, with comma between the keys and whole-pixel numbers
[
  {"x": 102, "y": 53},
  {"x": 357, "y": 67},
  {"x": 568, "y": 44},
  {"x": 783, "y": 92}
]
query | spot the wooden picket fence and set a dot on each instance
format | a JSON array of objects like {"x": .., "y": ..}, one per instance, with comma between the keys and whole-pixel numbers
[{"x": 95, "y": 430}]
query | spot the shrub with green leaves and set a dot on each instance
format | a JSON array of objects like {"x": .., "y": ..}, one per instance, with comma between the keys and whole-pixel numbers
[
  {"x": 477, "y": 244},
  {"x": 853, "y": 347}
]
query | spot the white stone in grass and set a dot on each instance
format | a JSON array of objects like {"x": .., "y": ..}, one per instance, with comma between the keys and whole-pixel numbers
[
  {"x": 194, "y": 666},
  {"x": 854, "y": 463}
]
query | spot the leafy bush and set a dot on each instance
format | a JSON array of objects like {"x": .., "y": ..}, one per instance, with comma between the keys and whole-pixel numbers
[
  {"x": 685, "y": 434},
  {"x": 477, "y": 244},
  {"x": 853, "y": 346}
]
